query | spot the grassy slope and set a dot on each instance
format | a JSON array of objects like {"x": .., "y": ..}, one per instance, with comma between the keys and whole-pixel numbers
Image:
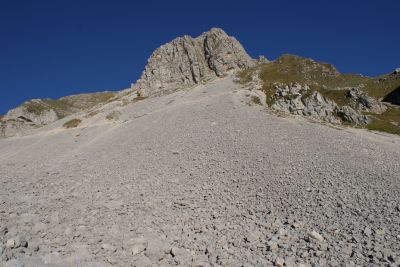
[
  {"x": 67, "y": 105},
  {"x": 328, "y": 81},
  {"x": 72, "y": 123}
]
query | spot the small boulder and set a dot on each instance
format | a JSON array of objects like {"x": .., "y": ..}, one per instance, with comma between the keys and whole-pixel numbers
[
  {"x": 10, "y": 243},
  {"x": 138, "y": 248},
  {"x": 279, "y": 262},
  {"x": 109, "y": 247},
  {"x": 155, "y": 250},
  {"x": 20, "y": 241},
  {"x": 316, "y": 236},
  {"x": 367, "y": 231}
]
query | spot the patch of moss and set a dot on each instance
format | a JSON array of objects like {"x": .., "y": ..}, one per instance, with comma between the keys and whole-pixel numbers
[
  {"x": 138, "y": 98},
  {"x": 70, "y": 104},
  {"x": 72, "y": 123},
  {"x": 91, "y": 114},
  {"x": 255, "y": 100},
  {"x": 34, "y": 107},
  {"x": 339, "y": 96},
  {"x": 245, "y": 76},
  {"x": 113, "y": 115}
]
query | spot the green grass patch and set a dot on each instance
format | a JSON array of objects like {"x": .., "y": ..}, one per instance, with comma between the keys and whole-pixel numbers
[
  {"x": 255, "y": 99},
  {"x": 392, "y": 114},
  {"x": 383, "y": 126},
  {"x": 34, "y": 107},
  {"x": 72, "y": 123},
  {"x": 139, "y": 98},
  {"x": 388, "y": 121},
  {"x": 245, "y": 76},
  {"x": 91, "y": 114},
  {"x": 339, "y": 96},
  {"x": 68, "y": 105}
]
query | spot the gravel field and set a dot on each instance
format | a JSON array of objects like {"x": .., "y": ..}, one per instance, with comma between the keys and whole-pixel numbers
[{"x": 200, "y": 177}]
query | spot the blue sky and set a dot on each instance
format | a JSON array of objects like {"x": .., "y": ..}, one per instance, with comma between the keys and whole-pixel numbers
[{"x": 56, "y": 48}]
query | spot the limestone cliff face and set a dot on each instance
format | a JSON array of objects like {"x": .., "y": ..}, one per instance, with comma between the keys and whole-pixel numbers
[{"x": 187, "y": 61}]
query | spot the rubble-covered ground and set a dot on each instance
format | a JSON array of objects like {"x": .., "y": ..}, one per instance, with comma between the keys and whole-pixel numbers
[{"x": 201, "y": 177}]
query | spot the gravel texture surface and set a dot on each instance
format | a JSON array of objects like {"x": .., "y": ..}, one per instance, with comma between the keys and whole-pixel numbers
[{"x": 201, "y": 177}]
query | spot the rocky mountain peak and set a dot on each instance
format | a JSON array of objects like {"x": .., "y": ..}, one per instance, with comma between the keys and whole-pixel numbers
[{"x": 187, "y": 61}]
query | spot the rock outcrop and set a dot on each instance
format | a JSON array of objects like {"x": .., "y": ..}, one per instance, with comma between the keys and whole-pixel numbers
[
  {"x": 301, "y": 100},
  {"x": 187, "y": 61},
  {"x": 363, "y": 102},
  {"x": 40, "y": 117},
  {"x": 36, "y": 113},
  {"x": 349, "y": 115},
  {"x": 30, "y": 115}
]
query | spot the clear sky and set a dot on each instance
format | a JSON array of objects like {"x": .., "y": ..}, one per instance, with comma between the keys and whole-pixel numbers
[{"x": 53, "y": 48}]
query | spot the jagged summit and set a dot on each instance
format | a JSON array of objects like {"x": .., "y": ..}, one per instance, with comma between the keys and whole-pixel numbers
[{"x": 187, "y": 61}]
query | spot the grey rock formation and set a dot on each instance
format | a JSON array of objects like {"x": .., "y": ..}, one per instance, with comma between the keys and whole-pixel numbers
[
  {"x": 187, "y": 61},
  {"x": 349, "y": 115},
  {"x": 43, "y": 117},
  {"x": 22, "y": 119},
  {"x": 363, "y": 102},
  {"x": 301, "y": 100}
]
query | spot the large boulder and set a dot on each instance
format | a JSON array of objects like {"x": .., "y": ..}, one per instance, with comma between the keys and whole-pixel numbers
[
  {"x": 187, "y": 61},
  {"x": 349, "y": 115},
  {"x": 361, "y": 101}
]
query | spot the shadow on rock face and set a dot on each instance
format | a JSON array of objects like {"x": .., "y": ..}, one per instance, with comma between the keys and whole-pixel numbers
[{"x": 393, "y": 97}]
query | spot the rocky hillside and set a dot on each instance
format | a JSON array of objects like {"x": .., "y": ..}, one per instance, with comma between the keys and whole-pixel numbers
[
  {"x": 318, "y": 91},
  {"x": 291, "y": 84},
  {"x": 188, "y": 61},
  {"x": 36, "y": 113},
  {"x": 199, "y": 177},
  {"x": 206, "y": 175},
  {"x": 182, "y": 63}
]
